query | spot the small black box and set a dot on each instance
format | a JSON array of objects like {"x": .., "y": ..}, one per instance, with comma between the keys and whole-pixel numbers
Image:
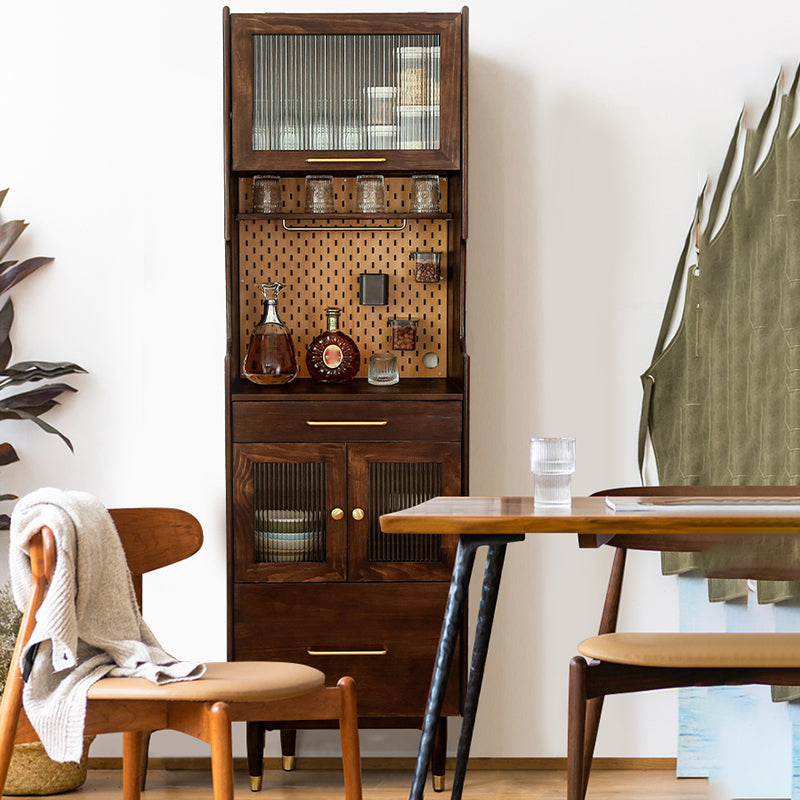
[{"x": 373, "y": 289}]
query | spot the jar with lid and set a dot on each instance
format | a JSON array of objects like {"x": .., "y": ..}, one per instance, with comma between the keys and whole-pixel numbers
[
  {"x": 404, "y": 333},
  {"x": 381, "y": 104},
  {"x": 427, "y": 267}
]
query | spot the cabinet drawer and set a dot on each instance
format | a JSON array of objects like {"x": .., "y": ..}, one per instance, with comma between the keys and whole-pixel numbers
[
  {"x": 347, "y": 421},
  {"x": 347, "y": 629}
]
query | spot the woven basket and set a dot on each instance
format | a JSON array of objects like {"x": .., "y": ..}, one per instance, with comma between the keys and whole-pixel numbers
[{"x": 32, "y": 771}]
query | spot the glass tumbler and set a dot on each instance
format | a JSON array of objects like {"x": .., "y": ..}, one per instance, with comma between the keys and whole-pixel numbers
[
  {"x": 552, "y": 464},
  {"x": 370, "y": 194},
  {"x": 319, "y": 194},
  {"x": 266, "y": 194},
  {"x": 382, "y": 369},
  {"x": 425, "y": 195}
]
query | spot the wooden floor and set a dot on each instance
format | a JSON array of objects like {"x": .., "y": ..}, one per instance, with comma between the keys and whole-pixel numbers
[{"x": 394, "y": 785}]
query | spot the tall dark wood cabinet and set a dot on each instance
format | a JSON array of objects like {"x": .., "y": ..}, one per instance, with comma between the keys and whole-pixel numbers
[{"x": 312, "y": 466}]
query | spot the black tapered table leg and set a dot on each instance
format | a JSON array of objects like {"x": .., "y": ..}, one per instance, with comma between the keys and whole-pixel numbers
[
  {"x": 483, "y": 632},
  {"x": 454, "y": 611}
]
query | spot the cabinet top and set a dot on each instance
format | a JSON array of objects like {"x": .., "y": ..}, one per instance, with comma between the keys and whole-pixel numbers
[{"x": 377, "y": 23}]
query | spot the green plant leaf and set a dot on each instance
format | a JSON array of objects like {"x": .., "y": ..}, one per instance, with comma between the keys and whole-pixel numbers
[
  {"x": 6, "y": 318},
  {"x": 20, "y": 271},
  {"x": 35, "y": 397},
  {"x": 9, "y": 233},
  {"x": 18, "y": 413},
  {"x": 8, "y": 455},
  {"x": 3, "y": 193},
  {"x": 25, "y": 371},
  {"x": 5, "y": 522}
]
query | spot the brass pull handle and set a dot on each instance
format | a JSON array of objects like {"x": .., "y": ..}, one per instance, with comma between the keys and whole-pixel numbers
[
  {"x": 346, "y": 652},
  {"x": 358, "y": 513},
  {"x": 375, "y": 160},
  {"x": 337, "y": 513},
  {"x": 346, "y": 422}
]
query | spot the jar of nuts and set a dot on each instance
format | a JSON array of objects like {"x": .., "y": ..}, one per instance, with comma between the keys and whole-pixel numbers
[
  {"x": 404, "y": 333},
  {"x": 427, "y": 267}
]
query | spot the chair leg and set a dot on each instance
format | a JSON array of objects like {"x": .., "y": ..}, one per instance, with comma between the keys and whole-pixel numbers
[
  {"x": 133, "y": 753},
  {"x": 255, "y": 754},
  {"x": 219, "y": 729},
  {"x": 576, "y": 729},
  {"x": 288, "y": 749},
  {"x": 348, "y": 728},
  {"x": 439, "y": 755},
  {"x": 145, "y": 757},
  {"x": 593, "y": 710}
]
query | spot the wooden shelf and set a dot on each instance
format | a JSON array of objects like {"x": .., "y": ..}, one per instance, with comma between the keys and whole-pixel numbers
[
  {"x": 399, "y": 215},
  {"x": 360, "y": 388}
]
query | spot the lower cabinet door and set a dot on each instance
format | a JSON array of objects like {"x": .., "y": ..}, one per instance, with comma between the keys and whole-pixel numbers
[{"x": 382, "y": 635}]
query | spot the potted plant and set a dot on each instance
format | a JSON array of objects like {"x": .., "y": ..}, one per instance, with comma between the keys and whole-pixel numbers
[
  {"x": 30, "y": 404},
  {"x": 31, "y": 772}
]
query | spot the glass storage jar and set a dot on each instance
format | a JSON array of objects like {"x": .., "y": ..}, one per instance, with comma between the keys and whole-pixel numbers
[
  {"x": 404, "y": 333},
  {"x": 427, "y": 267}
]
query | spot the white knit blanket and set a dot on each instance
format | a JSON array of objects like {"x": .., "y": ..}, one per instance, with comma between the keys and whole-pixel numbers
[{"x": 89, "y": 625}]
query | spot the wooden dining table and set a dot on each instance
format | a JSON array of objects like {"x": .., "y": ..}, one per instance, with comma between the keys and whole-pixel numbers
[{"x": 496, "y": 522}]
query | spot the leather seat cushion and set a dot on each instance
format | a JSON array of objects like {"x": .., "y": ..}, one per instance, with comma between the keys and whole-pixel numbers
[
  {"x": 695, "y": 649},
  {"x": 228, "y": 681}
]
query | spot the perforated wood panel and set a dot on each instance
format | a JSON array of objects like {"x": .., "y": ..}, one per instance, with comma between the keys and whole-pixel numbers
[{"x": 321, "y": 268}]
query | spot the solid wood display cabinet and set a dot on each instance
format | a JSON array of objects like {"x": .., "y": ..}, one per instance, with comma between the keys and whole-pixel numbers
[{"x": 312, "y": 466}]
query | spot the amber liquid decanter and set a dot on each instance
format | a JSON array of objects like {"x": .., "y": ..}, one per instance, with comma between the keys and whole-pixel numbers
[
  {"x": 333, "y": 357},
  {"x": 270, "y": 355}
]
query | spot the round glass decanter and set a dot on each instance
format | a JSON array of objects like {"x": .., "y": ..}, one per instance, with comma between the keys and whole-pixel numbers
[{"x": 270, "y": 355}]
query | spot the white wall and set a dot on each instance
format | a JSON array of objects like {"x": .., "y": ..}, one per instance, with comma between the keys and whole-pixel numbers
[{"x": 591, "y": 126}]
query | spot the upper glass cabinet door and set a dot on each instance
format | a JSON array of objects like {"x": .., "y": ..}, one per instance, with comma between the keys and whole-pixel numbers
[{"x": 312, "y": 90}]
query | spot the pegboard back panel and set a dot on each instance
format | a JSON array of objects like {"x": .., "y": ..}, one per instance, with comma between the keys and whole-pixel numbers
[{"x": 321, "y": 268}]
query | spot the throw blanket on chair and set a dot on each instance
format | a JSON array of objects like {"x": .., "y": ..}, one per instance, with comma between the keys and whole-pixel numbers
[{"x": 89, "y": 625}]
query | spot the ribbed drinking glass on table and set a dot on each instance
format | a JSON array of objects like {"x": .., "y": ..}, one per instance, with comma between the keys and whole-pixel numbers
[{"x": 552, "y": 465}]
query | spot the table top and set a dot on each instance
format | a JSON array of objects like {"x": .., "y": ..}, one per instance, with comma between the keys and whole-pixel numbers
[{"x": 512, "y": 515}]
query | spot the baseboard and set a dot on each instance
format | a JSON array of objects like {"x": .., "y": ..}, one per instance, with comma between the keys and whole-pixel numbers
[{"x": 389, "y": 764}]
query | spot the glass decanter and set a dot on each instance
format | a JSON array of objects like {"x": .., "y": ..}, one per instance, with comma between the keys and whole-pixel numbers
[
  {"x": 333, "y": 357},
  {"x": 270, "y": 355}
]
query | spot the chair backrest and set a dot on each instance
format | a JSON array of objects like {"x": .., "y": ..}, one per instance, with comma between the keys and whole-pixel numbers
[
  {"x": 762, "y": 557},
  {"x": 154, "y": 538}
]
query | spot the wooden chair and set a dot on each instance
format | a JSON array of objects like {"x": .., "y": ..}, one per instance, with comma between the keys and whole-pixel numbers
[
  {"x": 204, "y": 708},
  {"x": 621, "y": 663}
]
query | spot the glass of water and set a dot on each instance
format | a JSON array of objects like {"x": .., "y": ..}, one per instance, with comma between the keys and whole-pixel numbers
[{"x": 552, "y": 465}]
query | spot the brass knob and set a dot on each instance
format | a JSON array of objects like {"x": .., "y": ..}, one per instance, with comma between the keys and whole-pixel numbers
[
  {"x": 337, "y": 513},
  {"x": 358, "y": 513}
]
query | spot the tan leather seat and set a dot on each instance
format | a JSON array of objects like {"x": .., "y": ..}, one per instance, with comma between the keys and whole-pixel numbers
[
  {"x": 745, "y": 650},
  {"x": 229, "y": 681},
  {"x": 613, "y": 663}
]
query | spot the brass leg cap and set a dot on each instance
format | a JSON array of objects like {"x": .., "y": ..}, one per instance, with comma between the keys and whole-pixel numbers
[
  {"x": 287, "y": 762},
  {"x": 438, "y": 783},
  {"x": 255, "y": 783}
]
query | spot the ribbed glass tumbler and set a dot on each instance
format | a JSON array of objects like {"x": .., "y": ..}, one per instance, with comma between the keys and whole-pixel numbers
[{"x": 552, "y": 465}]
